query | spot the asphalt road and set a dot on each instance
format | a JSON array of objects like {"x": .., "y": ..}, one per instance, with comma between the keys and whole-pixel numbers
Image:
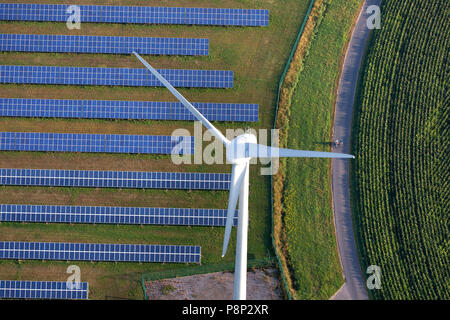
[{"x": 354, "y": 287}]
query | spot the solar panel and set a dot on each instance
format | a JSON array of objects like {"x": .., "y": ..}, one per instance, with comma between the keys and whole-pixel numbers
[
  {"x": 113, "y": 215},
  {"x": 145, "y": 15},
  {"x": 115, "y": 179},
  {"x": 107, "y": 143},
  {"x": 42, "y": 290},
  {"x": 103, "y": 109},
  {"x": 103, "y": 44},
  {"x": 99, "y": 252},
  {"x": 114, "y": 76}
]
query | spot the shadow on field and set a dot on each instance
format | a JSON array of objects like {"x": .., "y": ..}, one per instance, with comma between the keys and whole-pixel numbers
[{"x": 325, "y": 143}]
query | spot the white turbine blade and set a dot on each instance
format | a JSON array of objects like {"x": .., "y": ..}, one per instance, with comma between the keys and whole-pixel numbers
[
  {"x": 186, "y": 103},
  {"x": 253, "y": 150},
  {"x": 237, "y": 176}
]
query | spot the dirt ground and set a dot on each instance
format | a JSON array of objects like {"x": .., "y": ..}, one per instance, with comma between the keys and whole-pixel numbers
[{"x": 262, "y": 284}]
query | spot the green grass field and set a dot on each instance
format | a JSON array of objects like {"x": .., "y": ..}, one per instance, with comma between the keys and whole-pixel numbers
[
  {"x": 256, "y": 55},
  {"x": 401, "y": 139},
  {"x": 307, "y": 216}
]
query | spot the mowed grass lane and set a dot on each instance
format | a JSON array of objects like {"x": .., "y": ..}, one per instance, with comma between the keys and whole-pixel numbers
[{"x": 308, "y": 218}]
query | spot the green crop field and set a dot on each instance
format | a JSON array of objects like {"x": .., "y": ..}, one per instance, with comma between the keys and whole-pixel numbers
[
  {"x": 401, "y": 140},
  {"x": 257, "y": 56}
]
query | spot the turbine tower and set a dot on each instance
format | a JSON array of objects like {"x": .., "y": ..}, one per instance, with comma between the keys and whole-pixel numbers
[{"x": 239, "y": 152}]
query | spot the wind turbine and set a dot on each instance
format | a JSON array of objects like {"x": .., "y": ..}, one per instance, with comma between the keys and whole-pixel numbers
[{"x": 239, "y": 151}]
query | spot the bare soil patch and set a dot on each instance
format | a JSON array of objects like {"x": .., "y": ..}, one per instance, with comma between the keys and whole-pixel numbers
[{"x": 262, "y": 284}]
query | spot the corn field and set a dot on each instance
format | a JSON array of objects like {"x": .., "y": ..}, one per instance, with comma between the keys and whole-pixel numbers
[{"x": 401, "y": 143}]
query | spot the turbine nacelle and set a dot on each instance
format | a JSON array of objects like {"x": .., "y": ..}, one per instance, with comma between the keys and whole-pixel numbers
[{"x": 237, "y": 151}]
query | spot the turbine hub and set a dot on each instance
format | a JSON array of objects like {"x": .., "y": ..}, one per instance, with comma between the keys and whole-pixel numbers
[{"x": 237, "y": 150}]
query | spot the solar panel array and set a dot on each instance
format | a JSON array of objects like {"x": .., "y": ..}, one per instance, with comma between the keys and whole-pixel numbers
[
  {"x": 103, "y": 44},
  {"x": 24, "y": 141},
  {"x": 98, "y": 252},
  {"x": 104, "y": 109},
  {"x": 115, "y": 179},
  {"x": 126, "y": 14},
  {"x": 114, "y": 76},
  {"x": 113, "y": 215},
  {"x": 107, "y": 143},
  {"x": 13, "y": 289}
]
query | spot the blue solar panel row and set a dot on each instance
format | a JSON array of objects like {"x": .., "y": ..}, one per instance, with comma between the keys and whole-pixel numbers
[
  {"x": 102, "y": 109},
  {"x": 107, "y": 143},
  {"x": 103, "y": 44},
  {"x": 114, "y": 76},
  {"x": 126, "y": 14},
  {"x": 12, "y": 289},
  {"x": 99, "y": 252},
  {"x": 115, "y": 179},
  {"x": 113, "y": 215}
]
